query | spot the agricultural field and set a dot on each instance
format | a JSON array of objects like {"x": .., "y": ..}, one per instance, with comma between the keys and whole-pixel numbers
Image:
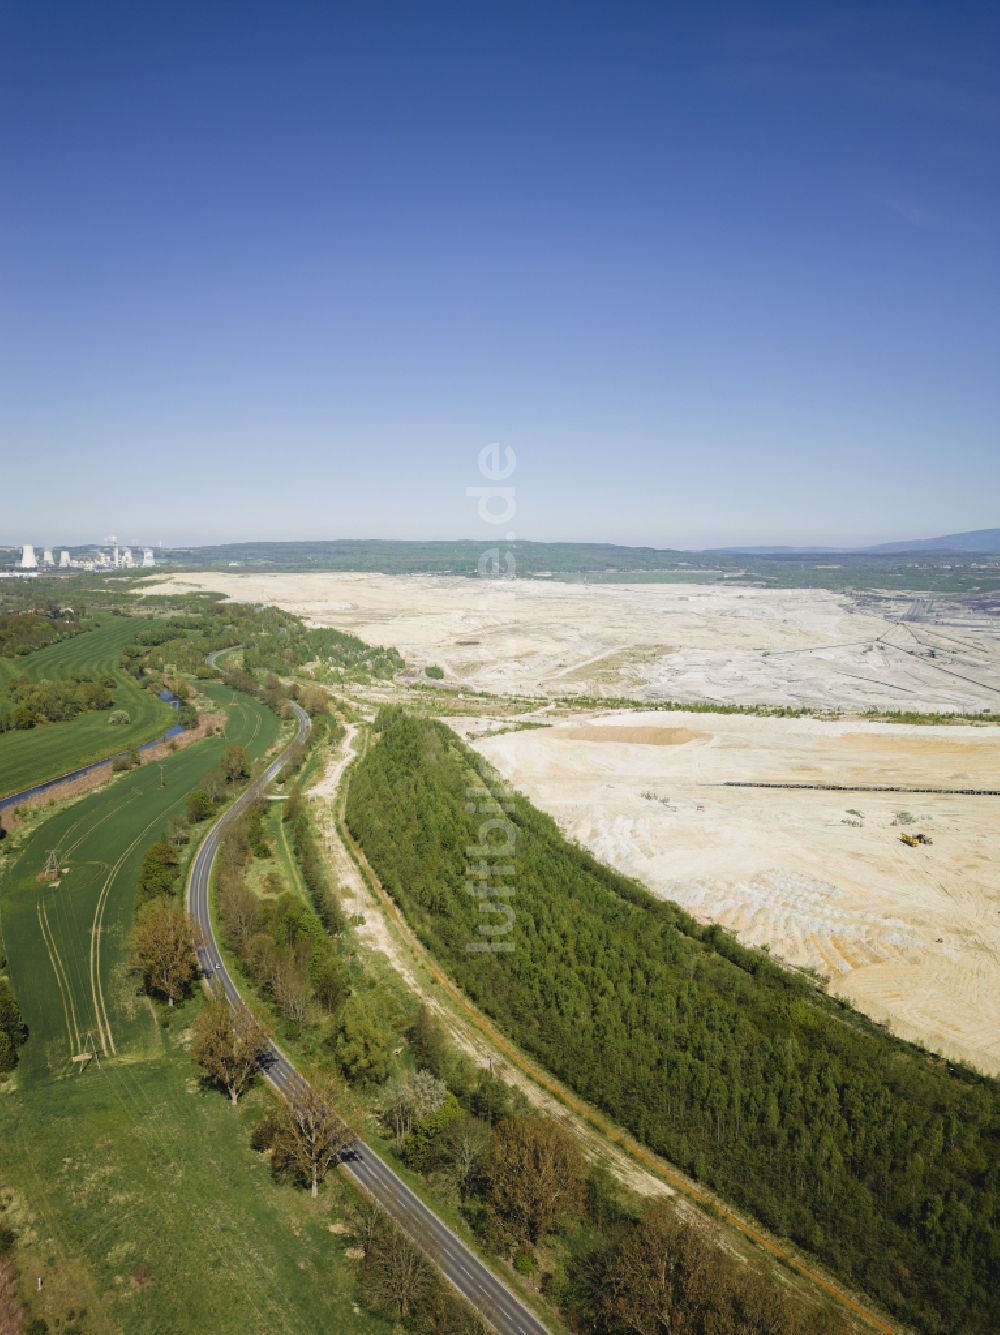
[
  {"x": 33, "y": 755},
  {"x": 63, "y": 935},
  {"x": 248, "y": 722},
  {"x": 98, "y": 1168}
]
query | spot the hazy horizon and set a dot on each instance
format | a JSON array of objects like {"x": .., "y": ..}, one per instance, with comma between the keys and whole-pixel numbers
[{"x": 473, "y": 538}]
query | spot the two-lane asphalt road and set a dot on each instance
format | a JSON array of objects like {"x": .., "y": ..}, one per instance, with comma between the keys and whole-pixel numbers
[{"x": 474, "y": 1280}]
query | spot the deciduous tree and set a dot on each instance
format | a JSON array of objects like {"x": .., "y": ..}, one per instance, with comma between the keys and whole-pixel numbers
[
  {"x": 534, "y": 1176},
  {"x": 464, "y": 1144},
  {"x": 310, "y": 1137},
  {"x": 235, "y": 763},
  {"x": 162, "y": 949},
  {"x": 396, "y": 1277},
  {"x": 362, "y": 1042},
  {"x": 199, "y": 806},
  {"x": 227, "y": 1043},
  {"x": 158, "y": 872}
]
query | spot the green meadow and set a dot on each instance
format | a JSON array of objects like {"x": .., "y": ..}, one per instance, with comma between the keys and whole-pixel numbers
[
  {"x": 133, "y": 1189},
  {"x": 140, "y": 1202},
  {"x": 36, "y": 754}
]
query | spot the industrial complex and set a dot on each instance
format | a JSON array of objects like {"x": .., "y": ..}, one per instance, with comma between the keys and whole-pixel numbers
[{"x": 114, "y": 556}]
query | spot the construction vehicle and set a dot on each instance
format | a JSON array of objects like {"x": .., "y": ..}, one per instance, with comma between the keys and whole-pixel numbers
[{"x": 915, "y": 840}]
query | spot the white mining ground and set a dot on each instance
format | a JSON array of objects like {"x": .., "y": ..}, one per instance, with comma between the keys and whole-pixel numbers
[
  {"x": 911, "y": 935},
  {"x": 713, "y": 643}
]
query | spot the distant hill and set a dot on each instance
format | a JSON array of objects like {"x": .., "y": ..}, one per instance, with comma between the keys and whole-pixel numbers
[
  {"x": 983, "y": 540},
  {"x": 942, "y": 566},
  {"x": 776, "y": 551}
]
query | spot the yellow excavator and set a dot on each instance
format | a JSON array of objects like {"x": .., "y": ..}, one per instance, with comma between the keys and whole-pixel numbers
[{"x": 915, "y": 840}]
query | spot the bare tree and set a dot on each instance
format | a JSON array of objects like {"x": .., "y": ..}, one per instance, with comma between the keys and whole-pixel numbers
[
  {"x": 409, "y": 1098},
  {"x": 659, "y": 1277},
  {"x": 396, "y": 1277},
  {"x": 290, "y": 984},
  {"x": 397, "y": 1106},
  {"x": 465, "y": 1144},
  {"x": 312, "y": 1137},
  {"x": 662, "y": 1274},
  {"x": 366, "y": 1223},
  {"x": 227, "y": 1044},
  {"x": 239, "y": 909},
  {"x": 427, "y": 1093}
]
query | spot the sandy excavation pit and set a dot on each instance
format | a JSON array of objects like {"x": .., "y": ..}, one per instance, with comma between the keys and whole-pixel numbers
[
  {"x": 912, "y": 936},
  {"x": 713, "y": 643}
]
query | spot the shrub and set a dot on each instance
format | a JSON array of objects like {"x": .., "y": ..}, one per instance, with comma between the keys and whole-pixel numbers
[
  {"x": 263, "y": 1134},
  {"x": 199, "y": 806}
]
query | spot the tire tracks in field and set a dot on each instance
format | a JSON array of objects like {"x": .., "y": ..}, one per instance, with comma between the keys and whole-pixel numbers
[
  {"x": 91, "y": 828},
  {"x": 96, "y": 928},
  {"x": 62, "y": 979}
]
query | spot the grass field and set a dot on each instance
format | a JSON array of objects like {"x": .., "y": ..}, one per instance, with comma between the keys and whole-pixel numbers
[
  {"x": 248, "y": 722},
  {"x": 41, "y": 753},
  {"x": 64, "y": 939},
  {"x": 133, "y": 1189},
  {"x": 142, "y": 1202},
  {"x": 94, "y": 651}
]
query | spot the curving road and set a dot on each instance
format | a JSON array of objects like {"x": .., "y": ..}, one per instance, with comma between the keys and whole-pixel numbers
[{"x": 491, "y": 1298}]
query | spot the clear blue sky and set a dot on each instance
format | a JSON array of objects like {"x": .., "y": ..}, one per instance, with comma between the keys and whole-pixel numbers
[{"x": 716, "y": 273}]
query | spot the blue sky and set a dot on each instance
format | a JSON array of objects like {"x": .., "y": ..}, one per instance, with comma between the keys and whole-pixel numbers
[{"x": 716, "y": 273}]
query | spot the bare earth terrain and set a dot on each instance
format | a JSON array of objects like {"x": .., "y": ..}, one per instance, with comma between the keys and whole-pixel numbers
[
  {"x": 713, "y": 643},
  {"x": 911, "y": 935}
]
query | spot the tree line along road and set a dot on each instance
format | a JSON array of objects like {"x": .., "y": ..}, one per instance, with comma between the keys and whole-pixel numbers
[{"x": 491, "y": 1298}]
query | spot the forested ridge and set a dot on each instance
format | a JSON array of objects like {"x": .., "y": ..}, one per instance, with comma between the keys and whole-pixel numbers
[{"x": 879, "y": 1158}]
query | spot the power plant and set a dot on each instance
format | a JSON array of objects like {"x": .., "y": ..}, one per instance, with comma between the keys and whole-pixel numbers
[{"x": 113, "y": 557}]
